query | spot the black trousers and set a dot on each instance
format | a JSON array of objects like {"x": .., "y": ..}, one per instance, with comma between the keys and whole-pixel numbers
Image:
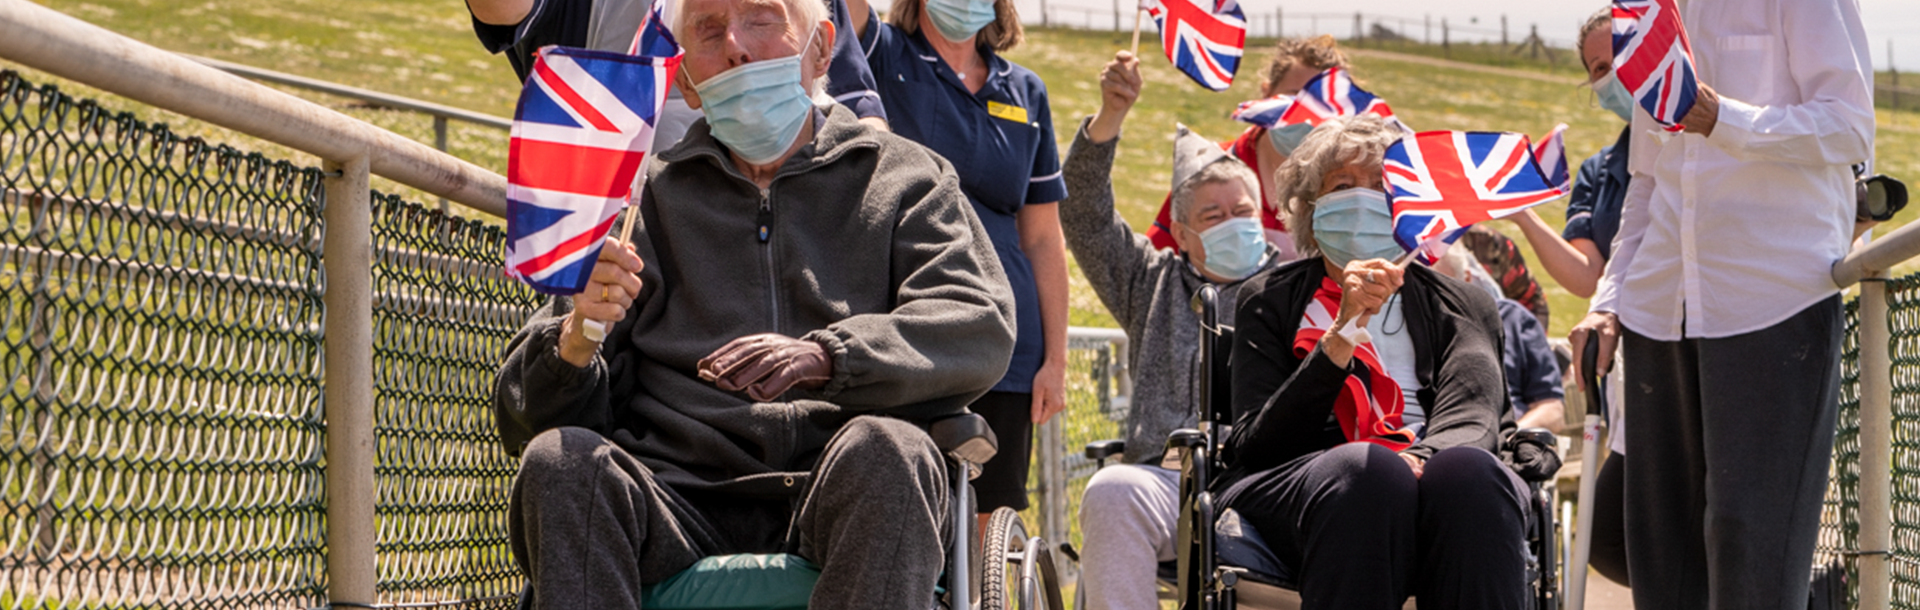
[
  {"x": 1608, "y": 556},
  {"x": 1360, "y": 532},
  {"x": 1003, "y": 479},
  {"x": 1731, "y": 441}
]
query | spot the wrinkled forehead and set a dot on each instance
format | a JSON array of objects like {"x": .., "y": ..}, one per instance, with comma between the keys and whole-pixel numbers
[{"x": 697, "y": 15}]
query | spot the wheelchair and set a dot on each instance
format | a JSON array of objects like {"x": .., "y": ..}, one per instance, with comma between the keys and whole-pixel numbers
[
  {"x": 1014, "y": 571},
  {"x": 1221, "y": 563}
]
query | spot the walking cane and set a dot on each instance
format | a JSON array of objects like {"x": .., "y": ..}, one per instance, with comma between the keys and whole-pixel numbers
[{"x": 1589, "y": 463}]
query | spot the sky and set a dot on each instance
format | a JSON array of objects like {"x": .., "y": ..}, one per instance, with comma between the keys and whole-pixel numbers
[{"x": 1896, "y": 20}]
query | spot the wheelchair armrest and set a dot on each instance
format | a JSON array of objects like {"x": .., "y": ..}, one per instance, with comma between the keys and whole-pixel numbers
[
  {"x": 1186, "y": 438},
  {"x": 965, "y": 437},
  {"x": 1100, "y": 450}
]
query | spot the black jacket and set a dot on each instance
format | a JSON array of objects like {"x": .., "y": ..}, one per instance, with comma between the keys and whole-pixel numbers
[{"x": 1283, "y": 410}]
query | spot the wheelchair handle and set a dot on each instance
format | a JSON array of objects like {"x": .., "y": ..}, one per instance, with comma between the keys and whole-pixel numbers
[{"x": 1589, "y": 365}]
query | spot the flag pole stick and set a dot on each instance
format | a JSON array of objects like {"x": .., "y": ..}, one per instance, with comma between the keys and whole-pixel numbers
[
  {"x": 594, "y": 329},
  {"x": 1136, "y": 32}
]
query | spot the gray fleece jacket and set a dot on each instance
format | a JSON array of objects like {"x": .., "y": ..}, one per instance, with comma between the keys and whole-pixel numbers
[
  {"x": 871, "y": 250},
  {"x": 1149, "y": 292}
]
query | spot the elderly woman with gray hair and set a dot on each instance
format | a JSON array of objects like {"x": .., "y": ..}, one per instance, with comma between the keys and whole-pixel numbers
[{"x": 1369, "y": 404}]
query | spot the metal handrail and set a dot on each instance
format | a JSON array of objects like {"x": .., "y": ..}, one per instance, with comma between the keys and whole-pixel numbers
[
  {"x": 48, "y": 40},
  {"x": 376, "y": 98},
  {"x": 1878, "y": 255}
]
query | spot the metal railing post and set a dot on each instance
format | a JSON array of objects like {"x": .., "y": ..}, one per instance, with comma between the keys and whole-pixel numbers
[
  {"x": 347, "y": 257},
  {"x": 1876, "y": 448}
]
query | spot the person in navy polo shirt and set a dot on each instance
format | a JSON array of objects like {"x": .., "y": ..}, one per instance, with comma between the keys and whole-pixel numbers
[{"x": 937, "y": 67}]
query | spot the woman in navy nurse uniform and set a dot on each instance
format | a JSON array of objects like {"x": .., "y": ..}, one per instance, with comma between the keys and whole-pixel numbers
[{"x": 944, "y": 85}]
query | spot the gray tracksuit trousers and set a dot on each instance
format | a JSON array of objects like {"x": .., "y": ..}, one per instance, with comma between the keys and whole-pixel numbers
[{"x": 590, "y": 524}]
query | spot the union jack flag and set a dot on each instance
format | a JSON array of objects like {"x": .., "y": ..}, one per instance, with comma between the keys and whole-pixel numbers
[
  {"x": 580, "y": 135},
  {"x": 1551, "y": 152},
  {"x": 1333, "y": 94},
  {"x": 1653, "y": 58},
  {"x": 653, "y": 39},
  {"x": 1203, "y": 38},
  {"x": 1265, "y": 113},
  {"x": 1441, "y": 182}
]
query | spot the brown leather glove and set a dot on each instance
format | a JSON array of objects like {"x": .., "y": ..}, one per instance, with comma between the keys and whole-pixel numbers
[{"x": 767, "y": 365}]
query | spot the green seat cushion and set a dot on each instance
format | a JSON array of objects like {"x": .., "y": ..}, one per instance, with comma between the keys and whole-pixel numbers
[{"x": 736, "y": 582}]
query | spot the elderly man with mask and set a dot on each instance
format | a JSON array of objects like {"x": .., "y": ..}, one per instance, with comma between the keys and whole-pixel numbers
[
  {"x": 800, "y": 292},
  {"x": 1128, "y": 512}
]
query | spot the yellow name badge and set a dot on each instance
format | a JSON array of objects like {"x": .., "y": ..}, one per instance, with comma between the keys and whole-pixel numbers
[{"x": 1011, "y": 113}]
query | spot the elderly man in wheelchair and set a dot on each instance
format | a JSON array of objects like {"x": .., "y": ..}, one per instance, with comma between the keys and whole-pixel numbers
[
  {"x": 782, "y": 332},
  {"x": 1369, "y": 408}
]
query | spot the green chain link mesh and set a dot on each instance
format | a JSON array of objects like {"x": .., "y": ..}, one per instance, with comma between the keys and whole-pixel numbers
[
  {"x": 160, "y": 426},
  {"x": 443, "y": 312},
  {"x": 1840, "y": 515}
]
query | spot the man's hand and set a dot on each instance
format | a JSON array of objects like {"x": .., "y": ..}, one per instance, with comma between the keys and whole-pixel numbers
[
  {"x": 1705, "y": 112},
  {"x": 1599, "y": 326},
  {"x": 500, "y": 12},
  {"x": 611, "y": 289},
  {"x": 1119, "y": 88},
  {"x": 1417, "y": 465},
  {"x": 767, "y": 365},
  {"x": 1049, "y": 390}
]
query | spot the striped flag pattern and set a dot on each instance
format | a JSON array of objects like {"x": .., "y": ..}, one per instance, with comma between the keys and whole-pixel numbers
[
  {"x": 1441, "y": 182},
  {"x": 1333, "y": 94},
  {"x": 1551, "y": 152},
  {"x": 1653, "y": 58},
  {"x": 1203, "y": 38},
  {"x": 580, "y": 135}
]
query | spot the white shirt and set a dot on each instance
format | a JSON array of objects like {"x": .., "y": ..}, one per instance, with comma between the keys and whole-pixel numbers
[
  {"x": 1394, "y": 345},
  {"x": 1734, "y": 233}
]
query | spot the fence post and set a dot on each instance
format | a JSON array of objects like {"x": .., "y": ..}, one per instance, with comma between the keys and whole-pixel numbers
[
  {"x": 347, "y": 258},
  {"x": 1359, "y": 35},
  {"x": 440, "y": 142},
  {"x": 1503, "y": 31},
  {"x": 1876, "y": 422},
  {"x": 1428, "y": 39},
  {"x": 1279, "y": 22},
  {"x": 1446, "y": 42}
]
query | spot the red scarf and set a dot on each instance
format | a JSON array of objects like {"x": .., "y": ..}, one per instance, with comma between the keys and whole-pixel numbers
[{"x": 1370, "y": 406}]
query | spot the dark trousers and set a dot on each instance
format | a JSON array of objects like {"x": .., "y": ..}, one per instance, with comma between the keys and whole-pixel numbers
[
  {"x": 1359, "y": 531},
  {"x": 1003, "y": 479},
  {"x": 590, "y": 524},
  {"x": 1731, "y": 440}
]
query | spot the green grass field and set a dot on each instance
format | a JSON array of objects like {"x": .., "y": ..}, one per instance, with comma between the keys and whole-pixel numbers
[{"x": 425, "y": 49}]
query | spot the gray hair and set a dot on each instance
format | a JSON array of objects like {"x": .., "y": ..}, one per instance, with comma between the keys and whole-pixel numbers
[
  {"x": 1223, "y": 171},
  {"x": 1332, "y": 145},
  {"x": 802, "y": 13}
]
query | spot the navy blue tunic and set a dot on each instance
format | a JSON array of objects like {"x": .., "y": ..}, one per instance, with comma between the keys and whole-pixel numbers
[
  {"x": 1000, "y": 141},
  {"x": 1593, "y": 212}
]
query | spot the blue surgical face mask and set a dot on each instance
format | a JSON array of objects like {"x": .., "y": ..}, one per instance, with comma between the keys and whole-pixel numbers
[
  {"x": 757, "y": 109},
  {"x": 959, "y": 19},
  {"x": 1354, "y": 224},
  {"x": 1235, "y": 248},
  {"x": 1614, "y": 96},
  {"x": 1285, "y": 138}
]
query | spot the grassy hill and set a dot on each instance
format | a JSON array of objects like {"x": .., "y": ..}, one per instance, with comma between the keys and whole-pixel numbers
[{"x": 425, "y": 49}]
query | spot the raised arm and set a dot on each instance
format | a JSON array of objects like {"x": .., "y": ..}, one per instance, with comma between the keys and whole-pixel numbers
[
  {"x": 1114, "y": 259},
  {"x": 500, "y": 12}
]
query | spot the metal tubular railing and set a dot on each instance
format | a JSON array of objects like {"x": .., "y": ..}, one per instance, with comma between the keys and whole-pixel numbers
[
  {"x": 48, "y": 40},
  {"x": 1867, "y": 266}
]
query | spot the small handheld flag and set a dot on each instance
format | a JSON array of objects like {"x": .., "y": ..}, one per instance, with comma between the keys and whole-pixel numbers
[
  {"x": 580, "y": 135},
  {"x": 1332, "y": 94},
  {"x": 1441, "y": 182},
  {"x": 1203, "y": 38},
  {"x": 1264, "y": 113},
  {"x": 1653, "y": 58},
  {"x": 1551, "y": 152}
]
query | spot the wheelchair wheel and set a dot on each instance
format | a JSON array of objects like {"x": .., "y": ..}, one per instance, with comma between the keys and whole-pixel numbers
[{"x": 1017, "y": 571}]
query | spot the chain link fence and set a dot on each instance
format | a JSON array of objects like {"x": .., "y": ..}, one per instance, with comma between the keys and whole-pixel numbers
[{"x": 160, "y": 336}]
